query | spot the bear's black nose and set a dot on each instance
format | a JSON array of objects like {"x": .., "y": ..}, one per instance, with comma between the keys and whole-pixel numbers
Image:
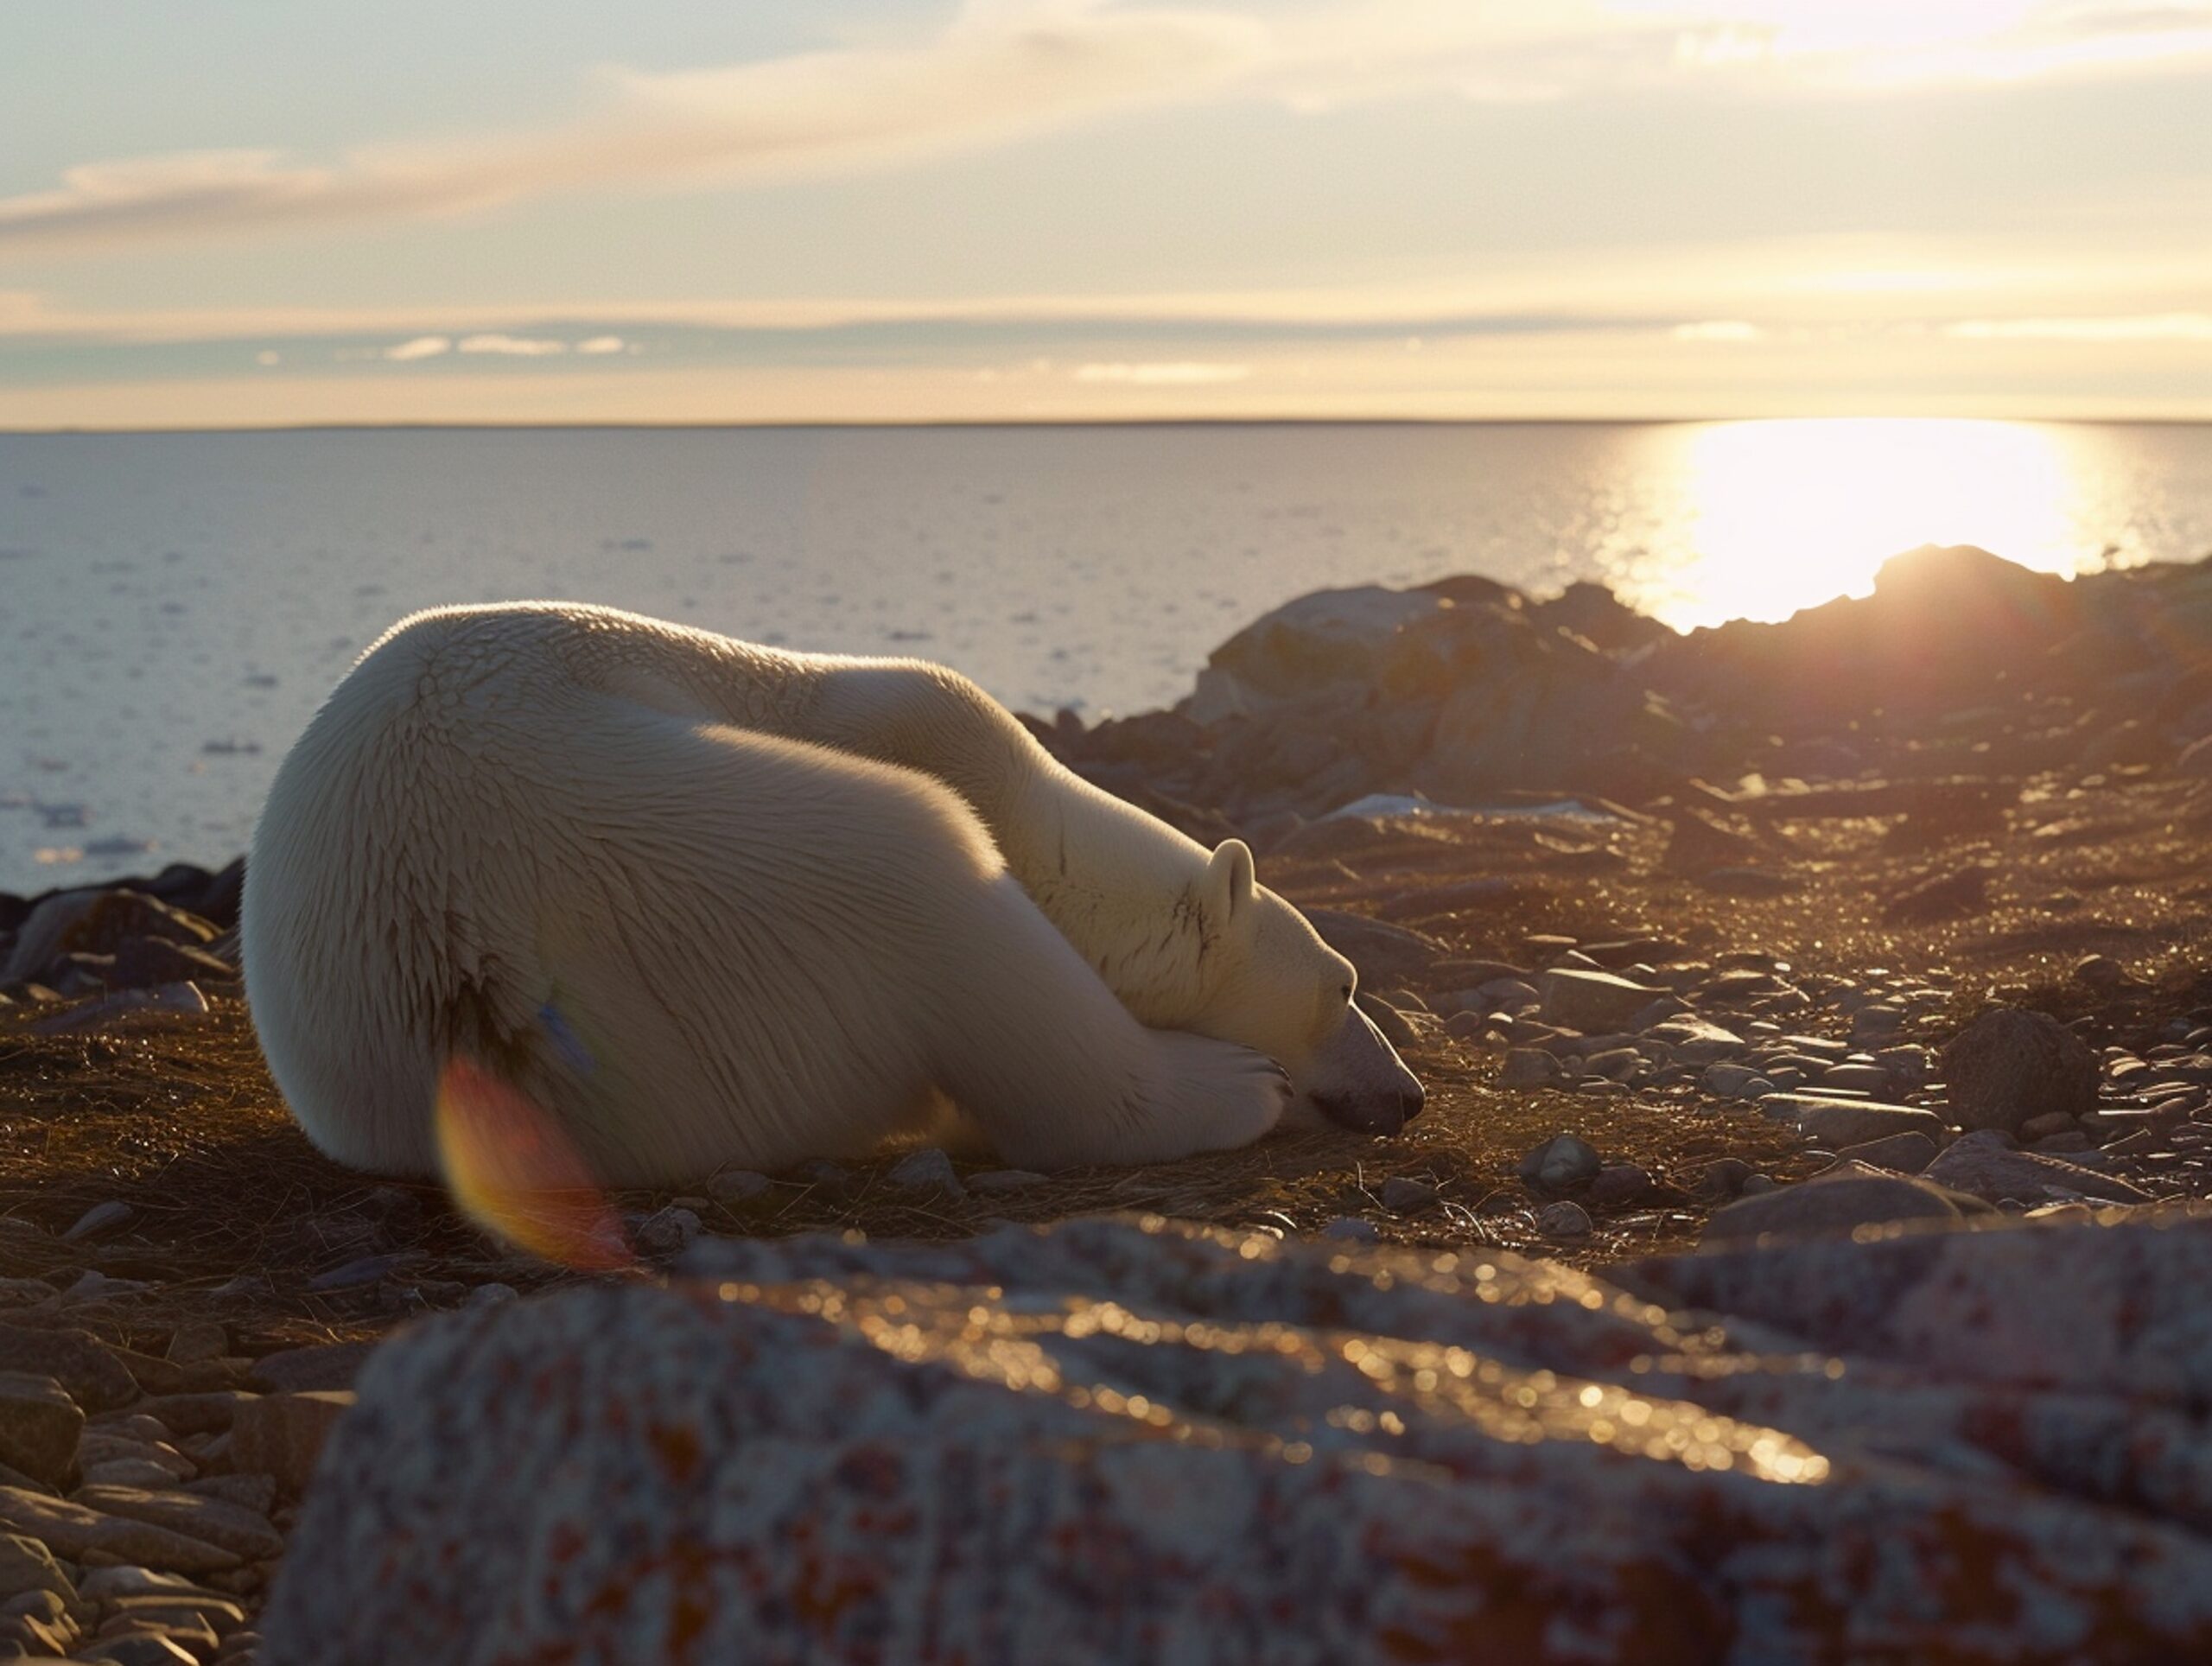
[{"x": 1410, "y": 1100}]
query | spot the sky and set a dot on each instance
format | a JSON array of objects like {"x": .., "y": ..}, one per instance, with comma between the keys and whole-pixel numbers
[{"x": 245, "y": 213}]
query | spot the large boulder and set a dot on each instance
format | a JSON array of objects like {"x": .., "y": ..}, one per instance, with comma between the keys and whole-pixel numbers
[
  {"x": 2011, "y": 1066},
  {"x": 1115, "y": 1440},
  {"x": 1945, "y": 628},
  {"x": 1328, "y": 637}
]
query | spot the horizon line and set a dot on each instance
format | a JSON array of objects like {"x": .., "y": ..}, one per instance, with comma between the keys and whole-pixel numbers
[{"x": 675, "y": 425}]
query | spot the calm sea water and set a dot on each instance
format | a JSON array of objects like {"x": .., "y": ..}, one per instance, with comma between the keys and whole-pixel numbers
[{"x": 173, "y": 607}]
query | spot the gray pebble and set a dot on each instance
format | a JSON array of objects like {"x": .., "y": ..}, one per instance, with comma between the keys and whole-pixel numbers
[
  {"x": 1563, "y": 1220},
  {"x": 1350, "y": 1228},
  {"x": 736, "y": 1186},
  {"x": 1527, "y": 1067},
  {"x": 666, "y": 1232},
  {"x": 927, "y": 1170},
  {"x": 1561, "y": 1164},
  {"x": 1618, "y": 1186},
  {"x": 1736, "y": 1081},
  {"x": 1403, "y": 1195}
]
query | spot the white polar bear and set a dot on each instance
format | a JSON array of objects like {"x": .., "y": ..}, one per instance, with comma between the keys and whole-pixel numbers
[{"x": 709, "y": 903}]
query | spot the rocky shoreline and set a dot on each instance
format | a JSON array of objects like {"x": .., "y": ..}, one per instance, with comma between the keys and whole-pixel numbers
[{"x": 1885, "y": 926}]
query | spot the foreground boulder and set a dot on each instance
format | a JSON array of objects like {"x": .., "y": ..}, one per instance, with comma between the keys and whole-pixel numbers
[{"x": 1114, "y": 1440}]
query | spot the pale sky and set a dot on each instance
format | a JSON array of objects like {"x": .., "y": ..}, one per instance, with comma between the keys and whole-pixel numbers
[{"x": 292, "y": 211}]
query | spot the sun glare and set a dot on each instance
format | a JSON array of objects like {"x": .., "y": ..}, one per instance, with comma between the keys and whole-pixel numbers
[{"x": 1783, "y": 515}]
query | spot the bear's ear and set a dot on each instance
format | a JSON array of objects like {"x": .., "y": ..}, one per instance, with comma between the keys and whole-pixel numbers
[{"x": 1229, "y": 879}]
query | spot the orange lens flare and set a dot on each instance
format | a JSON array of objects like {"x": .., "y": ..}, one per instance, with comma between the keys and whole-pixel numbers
[{"x": 516, "y": 1174}]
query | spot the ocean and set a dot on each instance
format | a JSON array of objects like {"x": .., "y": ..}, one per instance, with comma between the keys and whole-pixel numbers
[{"x": 173, "y": 606}]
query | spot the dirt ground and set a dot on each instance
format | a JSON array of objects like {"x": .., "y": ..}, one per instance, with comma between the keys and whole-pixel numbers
[{"x": 236, "y": 1217}]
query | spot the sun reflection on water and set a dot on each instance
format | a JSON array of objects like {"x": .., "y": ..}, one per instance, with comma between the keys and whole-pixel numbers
[{"x": 1777, "y": 516}]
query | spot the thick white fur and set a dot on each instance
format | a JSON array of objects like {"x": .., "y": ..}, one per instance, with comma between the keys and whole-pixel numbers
[{"x": 710, "y": 903}]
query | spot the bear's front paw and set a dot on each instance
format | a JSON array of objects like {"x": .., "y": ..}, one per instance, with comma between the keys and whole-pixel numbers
[{"x": 1216, "y": 1096}]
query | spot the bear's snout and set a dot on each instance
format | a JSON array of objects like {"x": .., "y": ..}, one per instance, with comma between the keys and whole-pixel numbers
[
  {"x": 1364, "y": 1085},
  {"x": 1374, "y": 1113}
]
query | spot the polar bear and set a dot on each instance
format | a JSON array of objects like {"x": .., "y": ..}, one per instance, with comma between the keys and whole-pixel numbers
[{"x": 709, "y": 903}]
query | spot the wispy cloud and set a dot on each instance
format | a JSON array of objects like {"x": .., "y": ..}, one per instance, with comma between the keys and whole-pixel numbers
[
  {"x": 2159, "y": 327},
  {"x": 514, "y": 346},
  {"x": 422, "y": 347},
  {"x": 1163, "y": 373},
  {"x": 1003, "y": 69},
  {"x": 998, "y": 72}
]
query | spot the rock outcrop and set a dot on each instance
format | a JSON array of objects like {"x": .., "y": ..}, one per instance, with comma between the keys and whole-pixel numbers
[{"x": 1113, "y": 1441}]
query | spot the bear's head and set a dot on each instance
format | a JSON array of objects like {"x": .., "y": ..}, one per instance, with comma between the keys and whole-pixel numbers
[{"x": 1269, "y": 981}]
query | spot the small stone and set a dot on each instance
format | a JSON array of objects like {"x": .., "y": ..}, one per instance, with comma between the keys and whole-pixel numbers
[
  {"x": 1736, "y": 1081},
  {"x": 2010, "y": 1065},
  {"x": 282, "y": 1434},
  {"x": 1403, "y": 1195},
  {"x": 2101, "y": 973},
  {"x": 1838, "y": 1123},
  {"x": 211, "y": 1521},
  {"x": 1527, "y": 1067},
  {"x": 1471, "y": 1026},
  {"x": 80, "y": 1533},
  {"x": 1511, "y": 993},
  {"x": 28, "y": 1565},
  {"x": 1898, "y": 1154},
  {"x": 665, "y": 1233},
  {"x": 833, "y": 1180},
  {"x": 39, "y": 1426},
  {"x": 1563, "y": 1220},
  {"x": 1594, "y": 1001},
  {"x": 101, "y": 1219},
  {"x": 328, "y": 1365},
  {"x": 1722, "y": 1179},
  {"x": 1006, "y": 1179},
  {"x": 2072, "y": 1140},
  {"x": 2041, "y": 1127},
  {"x": 1910, "y": 1066},
  {"x": 926, "y": 1170},
  {"x": 1615, "y": 1063},
  {"x": 1758, "y": 1185},
  {"x": 1834, "y": 1205},
  {"x": 1696, "y": 1041},
  {"x": 1561, "y": 1164},
  {"x": 1865, "y": 1078},
  {"x": 198, "y": 1340},
  {"x": 1351, "y": 1228},
  {"x": 1619, "y": 1185},
  {"x": 255, "y": 1490},
  {"x": 491, "y": 1295},
  {"x": 738, "y": 1186},
  {"x": 45, "y": 1606},
  {"x": 1981, "y": 1164},
  {"x": 195, "y": 1414},
  {"x": 126, "y": 1472}
]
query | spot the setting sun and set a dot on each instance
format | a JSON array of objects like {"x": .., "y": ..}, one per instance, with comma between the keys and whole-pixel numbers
[{"x": 1780, "y": 515}]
